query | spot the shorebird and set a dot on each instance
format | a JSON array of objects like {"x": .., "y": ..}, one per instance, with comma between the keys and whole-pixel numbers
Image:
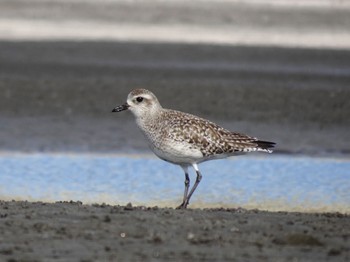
[{"x": 184, "y": 139}]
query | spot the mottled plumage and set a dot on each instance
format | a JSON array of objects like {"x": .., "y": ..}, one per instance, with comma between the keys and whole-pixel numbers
[
  {"x": 208, "y": 137},
  {"x": 185, "y": 139}
]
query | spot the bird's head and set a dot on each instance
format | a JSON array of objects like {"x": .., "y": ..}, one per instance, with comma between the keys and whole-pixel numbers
[{"x": 141, "y": 103}]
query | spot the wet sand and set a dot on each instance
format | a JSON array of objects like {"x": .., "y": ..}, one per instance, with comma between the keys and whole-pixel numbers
[
  {"x": 77, "y": 232},
  {"x": 58, "y": 96}
]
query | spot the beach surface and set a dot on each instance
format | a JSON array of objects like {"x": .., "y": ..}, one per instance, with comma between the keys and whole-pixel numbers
[{"x": 72, "y": 231}]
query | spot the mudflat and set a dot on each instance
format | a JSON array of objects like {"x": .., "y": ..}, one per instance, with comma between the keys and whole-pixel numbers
[
  {"x": 58, "y": 96},
  {"x": 72, "y": 231}
]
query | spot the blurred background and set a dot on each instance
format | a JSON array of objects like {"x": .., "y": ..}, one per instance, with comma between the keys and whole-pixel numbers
[{"x": 278, "y": 70}]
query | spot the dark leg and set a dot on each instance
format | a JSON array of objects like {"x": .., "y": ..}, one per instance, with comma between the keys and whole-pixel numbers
[
  {"x": 198, "y": 179},
  {"x": 187, "y": 185}
]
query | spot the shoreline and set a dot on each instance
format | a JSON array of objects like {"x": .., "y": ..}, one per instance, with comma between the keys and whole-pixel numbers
[{"x": 270, "y": 182}]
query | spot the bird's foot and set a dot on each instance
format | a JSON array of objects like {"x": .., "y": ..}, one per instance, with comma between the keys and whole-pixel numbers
[{"x": 183, "y": 205}]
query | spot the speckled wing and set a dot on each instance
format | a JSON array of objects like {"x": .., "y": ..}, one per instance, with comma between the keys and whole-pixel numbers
[{"x": 210, "y": 138}]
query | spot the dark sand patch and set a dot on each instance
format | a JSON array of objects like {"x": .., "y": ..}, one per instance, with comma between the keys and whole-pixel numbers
[
  {"x": 77, "y": 232},
  {"x": 58, "y": 96}
]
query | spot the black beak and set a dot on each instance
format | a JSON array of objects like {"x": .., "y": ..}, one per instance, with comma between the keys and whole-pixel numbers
[{"x": 121, "y": 108}]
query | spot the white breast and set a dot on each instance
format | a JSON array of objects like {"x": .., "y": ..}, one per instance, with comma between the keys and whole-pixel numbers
[{"x": 177, "y": 152}]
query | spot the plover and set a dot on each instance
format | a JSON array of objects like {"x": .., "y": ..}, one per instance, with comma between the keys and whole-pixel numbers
[{"x": 184, "y": 139}]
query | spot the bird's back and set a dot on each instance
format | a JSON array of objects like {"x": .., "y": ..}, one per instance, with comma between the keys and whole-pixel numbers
[{"x": 209, "y": 138}]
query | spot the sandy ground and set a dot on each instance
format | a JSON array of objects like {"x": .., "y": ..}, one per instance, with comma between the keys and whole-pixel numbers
[{"x": 76, "y": 232}]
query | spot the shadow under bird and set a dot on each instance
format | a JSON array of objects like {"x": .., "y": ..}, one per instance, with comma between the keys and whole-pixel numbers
[{"x": 184, "y": 139}]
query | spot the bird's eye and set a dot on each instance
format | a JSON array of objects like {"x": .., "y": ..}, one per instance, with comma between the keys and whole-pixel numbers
[{"x": 139, "y": 99}]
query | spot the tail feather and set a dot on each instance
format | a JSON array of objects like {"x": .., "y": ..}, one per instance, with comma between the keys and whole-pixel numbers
[{"x": 265, "y": 145}]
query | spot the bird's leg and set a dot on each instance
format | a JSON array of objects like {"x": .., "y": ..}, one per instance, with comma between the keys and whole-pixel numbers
[
  {"x": 198, "y": 179},
  {"x": 187, "y": 185}
]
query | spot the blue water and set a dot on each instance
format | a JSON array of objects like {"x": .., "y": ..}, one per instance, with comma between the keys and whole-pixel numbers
[{"x": 270, "y": 182}]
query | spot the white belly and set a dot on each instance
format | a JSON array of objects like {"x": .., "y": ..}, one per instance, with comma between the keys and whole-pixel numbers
[{"x": 177, "y": 153}]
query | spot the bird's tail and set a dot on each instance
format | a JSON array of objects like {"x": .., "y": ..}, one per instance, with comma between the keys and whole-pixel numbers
[{"x": 265, "y": 145}]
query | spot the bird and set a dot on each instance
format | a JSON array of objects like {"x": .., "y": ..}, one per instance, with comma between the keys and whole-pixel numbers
[{"x": 184, "y": 139}]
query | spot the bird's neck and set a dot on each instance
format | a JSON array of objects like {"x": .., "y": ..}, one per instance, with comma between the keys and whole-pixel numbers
[{"x": 148, "y": 120}]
